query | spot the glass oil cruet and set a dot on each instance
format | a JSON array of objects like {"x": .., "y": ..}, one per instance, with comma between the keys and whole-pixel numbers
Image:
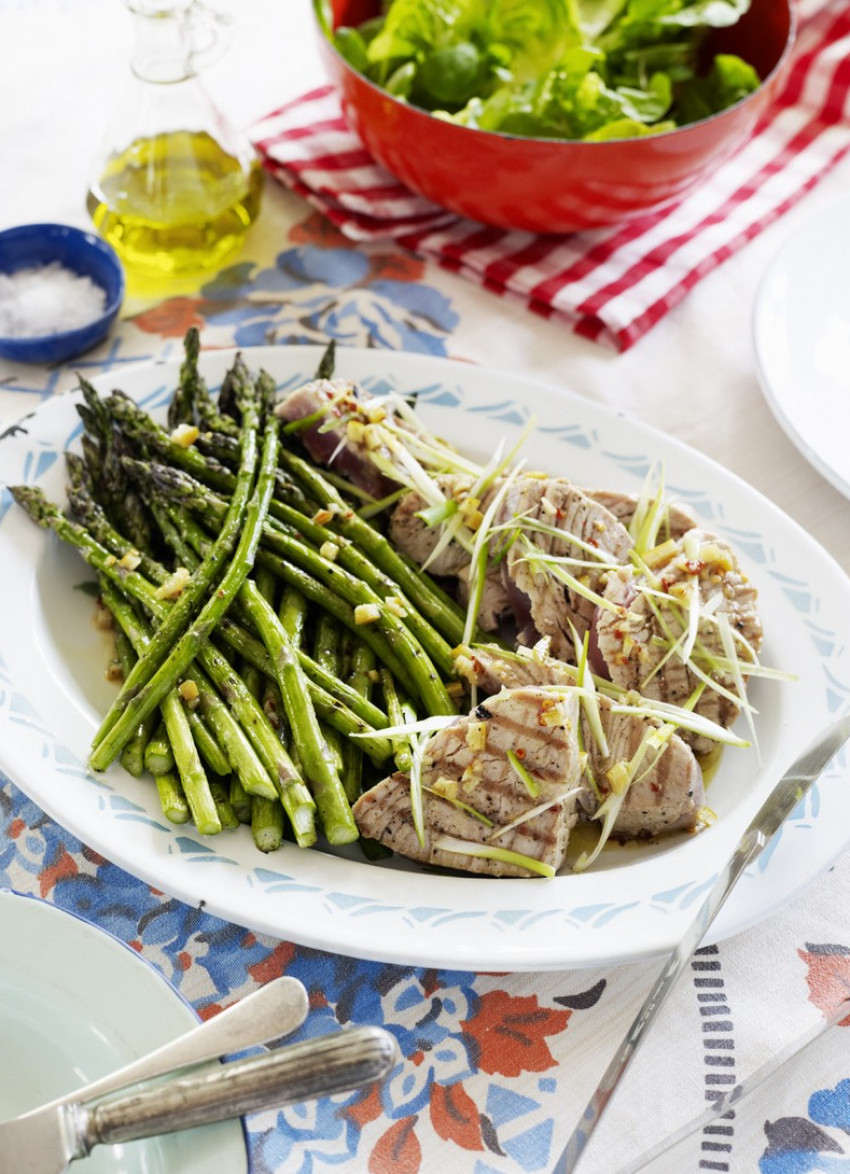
[{"x": 176, "y": 187}]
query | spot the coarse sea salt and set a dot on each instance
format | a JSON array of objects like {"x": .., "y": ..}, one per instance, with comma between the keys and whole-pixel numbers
[{"x": 47, "y": 299}]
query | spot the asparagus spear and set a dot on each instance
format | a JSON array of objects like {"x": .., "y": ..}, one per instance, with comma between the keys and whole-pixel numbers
[
  {"x": 92, "y": 515},
  {"x": 431, "y": 601},
  {"x": 165, "y": 671},
  {"x": 297, "y": 800},
  {"x": 158, "y": 757},
  {"x": 330, "y": 579},
  {"x": 398, "y": 717},
  {"x": 313, "y": 751},
  {"x": 181, "y": 739},
  {"x": 327, "y": 363},
  {"x": 290, "y": 526},
  {"x": 361, "y": 668},
  {"x": 171, "y": 798},
  {"x": 133, "y": 754},
  {"x": 233, "y": 751},
  {"x": 267, "y": 824},
  {"x": 190, "y": 599},
  {"x": 241, "y": 801},
  {"x": 328, "y": 695}
]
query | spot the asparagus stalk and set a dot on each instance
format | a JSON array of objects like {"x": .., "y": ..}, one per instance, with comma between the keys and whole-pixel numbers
[
  {"x": 133, "y": 754},
  {"x": 431, "y": 601},
  {"x": 220, "y": 791},
  {"x": 158, "y": 757},
  {"x": 181, "y": 739},
  {"x": 165, "y": 672},
  {"x": 92, "y": 515},
  {"x": 328, "y": 653},
  {"x": 398, "y": 717},
  {"x": 267, "y": 824},
  {"x": 290, "y": 528},
  {"x": 241, "y": 801},
  {"x": 361, "y": 668},
  {"x": 171, "y": 798},
  {"x": 327, "y": 363},
  {"x": 313, "y": 751},
  {"x": 298, "y": 802},
  {"x": 233, "y": 749},
  {"x": 190, "y": 600},
  {"x": 328, "y": 584}
]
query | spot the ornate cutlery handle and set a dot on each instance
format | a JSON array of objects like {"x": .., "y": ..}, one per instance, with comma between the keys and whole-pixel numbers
[{"x": 299, "y": 1072}]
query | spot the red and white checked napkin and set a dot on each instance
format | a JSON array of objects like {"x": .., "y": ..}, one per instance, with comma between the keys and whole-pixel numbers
[{"x": 609, "y": 284}]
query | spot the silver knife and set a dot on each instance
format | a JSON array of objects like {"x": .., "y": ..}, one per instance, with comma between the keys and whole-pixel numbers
[
  {"x": 277, "y": 1009},
  {"x": 783, "y": 799},
  {"x": 350, "y": 1059},
  {"x": 756, "y": 1079}
]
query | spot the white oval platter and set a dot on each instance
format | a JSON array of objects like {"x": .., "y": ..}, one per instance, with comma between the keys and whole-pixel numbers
[{"x": 634, "y": 903}]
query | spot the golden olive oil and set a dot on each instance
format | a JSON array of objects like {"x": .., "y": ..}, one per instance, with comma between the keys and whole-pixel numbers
[{"x": 175, "y": 204}]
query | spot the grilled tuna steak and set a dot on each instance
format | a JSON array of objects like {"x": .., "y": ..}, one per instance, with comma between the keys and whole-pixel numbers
[
  {"x": 676, "y": 522},
  {"x": 633, "y": 637},
  {"x": 667, "y": 791},
  {"x": 415, "y": 538},
  {"x": 542, "y": 604},
  {"x": 468, "y": 762},
  {"x": 334, "y": 444}
]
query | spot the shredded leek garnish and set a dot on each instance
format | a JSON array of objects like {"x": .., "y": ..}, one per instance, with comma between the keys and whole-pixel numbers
[
  {"x": 601, "y": 557},
  {"x": 433, "y": 515},
  {"x": 377, "y": 506},
  {"x": 728, "y": 643},
  {"x": 535, "y": 558},
  {"x": 456, "y": 530},
  {"x": 524, "y": 774},
  {"x": 533, "y": 812},
  {"x": 489, "y": 852},
  {"x": 650, "y": 511},
  {"x": 654, "y": 739},
  {"x": 588, "y": 697},
  {"x": 478, "y": 558},
  {"x": 461, "y": 806}
]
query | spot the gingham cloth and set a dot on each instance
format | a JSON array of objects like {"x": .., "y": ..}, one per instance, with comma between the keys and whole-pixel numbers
[{"x": 609, "y": 284}]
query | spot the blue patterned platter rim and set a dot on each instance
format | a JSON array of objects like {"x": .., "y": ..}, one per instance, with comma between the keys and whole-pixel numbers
[
  {"x": 77, "y": 1004},
  {"x": 635, "y": 903}
]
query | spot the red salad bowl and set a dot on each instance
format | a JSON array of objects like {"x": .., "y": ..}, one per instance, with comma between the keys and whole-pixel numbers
[{"x": 555, "y": 186}]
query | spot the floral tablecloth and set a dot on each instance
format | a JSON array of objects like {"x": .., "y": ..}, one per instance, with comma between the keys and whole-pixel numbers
[{"x": 495, "y": 1066}]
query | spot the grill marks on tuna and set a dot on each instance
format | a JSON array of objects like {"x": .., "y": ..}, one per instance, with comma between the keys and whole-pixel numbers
[
  {"x": 588, "y": 533},
  {"x": 636, "y": 611},
  {"x": 468, "y": 762},
  {"x": 667, "y": 792}
]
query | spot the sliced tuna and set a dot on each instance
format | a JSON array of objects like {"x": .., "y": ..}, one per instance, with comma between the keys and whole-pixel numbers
[
  {"x": 468, "y": 762},
  {"x": 633, "y": 635}
]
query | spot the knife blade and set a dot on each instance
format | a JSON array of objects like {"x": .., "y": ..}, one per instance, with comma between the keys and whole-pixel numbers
[
  {"x": 795, "y": 783},
  {"x": 48, "y": 1143},
  {"x": 722, "y": 1104}
]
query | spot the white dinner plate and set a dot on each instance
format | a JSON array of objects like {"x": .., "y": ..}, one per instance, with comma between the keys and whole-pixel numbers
[
  {"x": 801, "y": 334},
  {"x": 77, "y": 1004},
  {"x": 637, "y": 899}
]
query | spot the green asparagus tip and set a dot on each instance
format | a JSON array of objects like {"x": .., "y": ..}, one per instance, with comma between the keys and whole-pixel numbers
[{"x": 32, "y": 499}]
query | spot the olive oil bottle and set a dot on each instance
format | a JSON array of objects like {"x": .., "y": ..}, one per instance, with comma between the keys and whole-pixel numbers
[{"x": 176, "y": 189}]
